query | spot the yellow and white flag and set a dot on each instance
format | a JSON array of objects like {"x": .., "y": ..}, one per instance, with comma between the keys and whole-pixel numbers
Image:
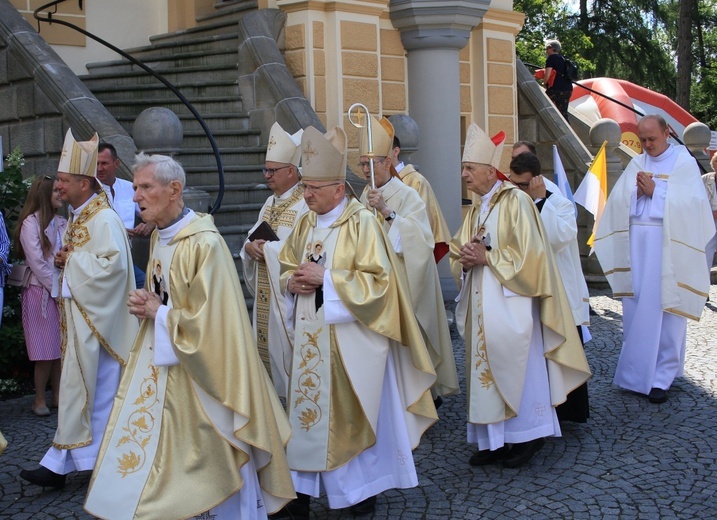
[{"x": 592, "y": 192}]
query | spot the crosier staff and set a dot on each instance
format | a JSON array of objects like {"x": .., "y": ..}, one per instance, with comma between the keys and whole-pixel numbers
[{"x": 359, "y": 107}]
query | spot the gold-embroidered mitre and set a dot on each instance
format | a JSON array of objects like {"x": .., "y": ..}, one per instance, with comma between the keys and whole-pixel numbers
[
  {"x": 79, "y": 157},
  {"x": 323, "y": 156},
  {"x": 481, "y": 149},
  {"x": 381, "y": 137},
  {"x": 284, "y": 147}
]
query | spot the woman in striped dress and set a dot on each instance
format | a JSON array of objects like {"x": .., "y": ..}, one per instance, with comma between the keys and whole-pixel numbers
[{"x": 38, "y": 236}]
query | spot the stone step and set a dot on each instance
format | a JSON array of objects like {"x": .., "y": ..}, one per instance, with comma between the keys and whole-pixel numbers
[
  {"x": 174, "y": 76},
  {"x": 233, "y": 214},
  {"x": 229, "y": 10},
  {"x": 224, "y": 40},
  {"x": 208, "y": 28},
  {"x": 235, "y": 235},
  {"x": 224, "y": 138},
  {"x": 163, "y": 62},
  {"x": 206, "y": 175},
  {"x": 197, "y": 157},
  {"x": 217, "y": 122},
  {"x": 158, "y": 91},
  {"x": 205, "y": 106},
  {"x": 251, "y": 193}
]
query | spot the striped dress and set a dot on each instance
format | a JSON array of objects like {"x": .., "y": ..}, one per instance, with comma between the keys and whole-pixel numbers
[
  {"x": 40, "y": 314},
  {"x": 4, "y": 255}
]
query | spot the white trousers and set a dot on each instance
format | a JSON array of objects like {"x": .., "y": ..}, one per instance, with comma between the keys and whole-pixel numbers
[{"x": 84, "y": 458}]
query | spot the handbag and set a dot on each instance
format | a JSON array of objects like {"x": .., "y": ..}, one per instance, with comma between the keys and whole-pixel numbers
[{"x": 19, "y": 276}]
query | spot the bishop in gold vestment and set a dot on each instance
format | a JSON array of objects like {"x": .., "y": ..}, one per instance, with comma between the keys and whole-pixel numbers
[
  {"x": 96, "y": 326},
  {"x": 359, "y": 397},
  {"x": 523, "y": 353},
  {"x": 259, "y": 256},
  {"x": 196, "y": 427}
]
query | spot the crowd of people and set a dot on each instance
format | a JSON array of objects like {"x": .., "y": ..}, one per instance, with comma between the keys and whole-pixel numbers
[{"x": 183, "y": 406}]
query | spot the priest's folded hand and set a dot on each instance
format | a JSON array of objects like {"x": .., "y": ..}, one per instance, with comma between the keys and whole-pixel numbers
[
  {"x": 143, "y": 304},
  {"x": 307, "y": 278},
  {"x": 473, "y": 254}
]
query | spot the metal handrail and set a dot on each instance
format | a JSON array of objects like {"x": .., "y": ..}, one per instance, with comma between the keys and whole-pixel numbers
[
  {"x": 50, "y": 20},
  {"x": 673, "y": 134}
]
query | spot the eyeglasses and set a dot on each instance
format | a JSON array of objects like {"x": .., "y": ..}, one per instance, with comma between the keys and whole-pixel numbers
[
  {"x": 522, "y": 185},
  {"x": 269, "y": 172},
  {"x": 310, "y": 189},
  {"x": 364, "y": 164}
]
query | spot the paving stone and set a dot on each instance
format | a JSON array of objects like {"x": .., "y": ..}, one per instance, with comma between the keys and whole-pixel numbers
[{"x": 633, "y": 459}]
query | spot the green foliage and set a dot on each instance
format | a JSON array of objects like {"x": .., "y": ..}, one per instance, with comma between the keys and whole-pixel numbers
[
  {"x": 634, "y": 40},
  {"x": 9, "y": 387},
  {"x": 551, "y": 20},
  {"x": 13, "y": 188},
  {"x": 13, "y": 355}
]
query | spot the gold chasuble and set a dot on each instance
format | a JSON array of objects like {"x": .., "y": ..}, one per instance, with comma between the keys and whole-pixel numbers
[
  {"x": 262, "y": 279},
  {"x": 99, "y": 275},
  {"x": 417, "y": 261},
  {"x": 441, "y": 234},
  {"x": 494, "y": 316},
  {"x": 179, "y": 434},
  {"x": 337, "y": 377}
]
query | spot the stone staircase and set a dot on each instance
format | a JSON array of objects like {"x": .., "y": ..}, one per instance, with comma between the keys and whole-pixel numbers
[{"x": 203, "y": 63}]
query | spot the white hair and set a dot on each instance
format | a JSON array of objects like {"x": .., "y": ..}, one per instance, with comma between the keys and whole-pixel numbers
[{"x": 166, "y": 169}]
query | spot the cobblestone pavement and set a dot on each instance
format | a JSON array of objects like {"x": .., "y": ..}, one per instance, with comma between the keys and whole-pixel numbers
[{"x": 633, "y": 459}]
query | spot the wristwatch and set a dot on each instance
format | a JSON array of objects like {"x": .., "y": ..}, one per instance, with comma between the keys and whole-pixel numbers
[{"x": 391, "y": 216}]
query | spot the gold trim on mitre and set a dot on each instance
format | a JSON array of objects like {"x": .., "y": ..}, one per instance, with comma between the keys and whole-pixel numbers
[
  {"x": 481, "y": 149},
  {"x": 382, "y": 133},
  {"x": 323, "y": 156},
  {"x": 283, "y": 147},
  {"x": 79, "y": 157}
]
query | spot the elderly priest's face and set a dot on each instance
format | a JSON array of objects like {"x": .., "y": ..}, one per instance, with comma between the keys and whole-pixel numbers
[
  {"x": 479, "y": 178},
  {"x": 159, "y": 203}
]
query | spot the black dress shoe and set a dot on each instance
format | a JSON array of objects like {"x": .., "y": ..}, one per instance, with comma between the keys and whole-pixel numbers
[
  {"x": 657, "y": 395},
  {"x": 437, "y": 402},
  {"x": 485, "y": 457},
  {"x": 365, "y": 507},
  {"x": 298, "y": 509},
  {"x": 522, "y": 452},
  {"x": 44, "y": 477}
]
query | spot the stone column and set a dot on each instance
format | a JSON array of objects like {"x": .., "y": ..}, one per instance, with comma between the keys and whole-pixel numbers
[{"x": 432, "y": 32}]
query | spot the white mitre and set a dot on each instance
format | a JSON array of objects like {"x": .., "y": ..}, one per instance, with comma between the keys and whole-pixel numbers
[
  {"x": 481, "y": 149},
  {"x": 323, "y": 156},
  {"x": 79, "y": 157},
  {"x": 283, "y": 147},
  {"x": 382, "y": 133}
]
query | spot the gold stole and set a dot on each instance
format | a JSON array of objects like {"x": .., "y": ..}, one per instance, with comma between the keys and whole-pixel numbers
[
  {"x": 139, "y": 422},
  {"x": 506, "y": 322},
  {"x": 77, "y": 234},
  {"x": 309, "y": 393},
  {"x": 275, "y": 216}
]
